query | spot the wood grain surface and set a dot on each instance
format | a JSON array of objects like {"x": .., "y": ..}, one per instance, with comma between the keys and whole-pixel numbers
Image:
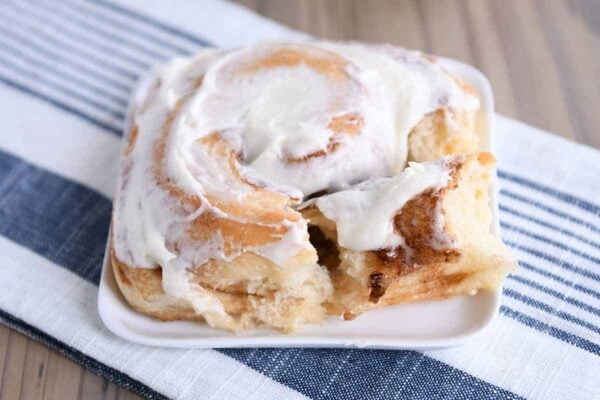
[{"x": 542, "y": 57}]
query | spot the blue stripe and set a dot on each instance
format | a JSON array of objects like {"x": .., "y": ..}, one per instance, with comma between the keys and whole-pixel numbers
[
  {"x": 557, "y": 333},
  {"x": 60, "y": 57},
  {"x": 366, "y": 374},
  {"x": 559, "y": 279},
  {"x": 100, "y": 61},
  {"x": 64, "y": 30},
  {"x": 550, "y": 310},
  {"x": 555, "y": 293},
  {"x": 67, "y": 223},
  {"x": 69, "y": 77},
  {"x": 122, "y": 41},
  {"x": 566, "y": 197},
  {"x": 556, "y": 261},
  {"x": 554, "y": 243},
  {"x": 151, "y": 22},
  {"x": 549, "y": 226},
  {"x": 32, "y": 75},
  {"x": 549, "y": 210},
  {"x": 129, "y": 28},
  {"x": 58, "y": 219},
  {"x": 60, "y": 105},
  {"x": 82, "y": 359}
]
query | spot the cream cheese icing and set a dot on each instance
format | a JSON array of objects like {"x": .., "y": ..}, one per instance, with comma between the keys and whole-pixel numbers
[
  {"x": 364, "y": 214},
  {"x": 278, "y": 120}
]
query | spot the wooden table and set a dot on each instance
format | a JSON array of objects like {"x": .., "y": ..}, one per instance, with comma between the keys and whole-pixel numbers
[{"x": 542, "y": 57}]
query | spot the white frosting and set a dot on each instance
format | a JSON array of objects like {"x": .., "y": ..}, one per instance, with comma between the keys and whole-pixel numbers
[
  {"x": 364, "y": 214},
  {"x": 277, "y": 120}
]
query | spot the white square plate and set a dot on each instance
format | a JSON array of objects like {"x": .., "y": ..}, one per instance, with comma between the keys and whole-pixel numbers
[{"x": 425, "y": 325}]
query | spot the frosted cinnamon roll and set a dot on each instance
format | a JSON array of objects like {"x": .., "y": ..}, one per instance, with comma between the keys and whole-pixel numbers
[{"x": 232, "y": 155}]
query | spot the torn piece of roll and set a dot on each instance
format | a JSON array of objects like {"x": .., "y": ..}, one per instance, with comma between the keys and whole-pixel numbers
[
  {"x": 268, "y": 187},
  {"x": 420, "y": 235}
]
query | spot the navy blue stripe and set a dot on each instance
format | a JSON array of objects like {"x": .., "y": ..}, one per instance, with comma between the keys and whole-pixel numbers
[
  {"x": 560, "y": 334},
  {"x": 80, "y": 358},
  {"x": 69, "y": 77},
  {"x": 68, "y": 224},
  {"x": 122, "y": 41},
  {"x": 555, "y": 293},
  {"x": 58, "y": 219},
  {"x": 559, "y": 279},
  {"x": 550, "y": 310},
  {"x": 554, "y": 243},
  {"x": 129, "y": 28},
  {"x": 550, "y": 210},
  {"x": 60, "y": 105},
  {"x": 34, "y": 76},
  {"x": 104, "y": 62},
  {"x": 366, "y": 374},
  {"x": 372, "y": 374},
  {"x": 556, "y": 261},
  {"x": 549, "y": 226},
  {"x": 151, "y": 22},
  {"x": 63, "y": 60},
  {"x": 566, "y": 197}
]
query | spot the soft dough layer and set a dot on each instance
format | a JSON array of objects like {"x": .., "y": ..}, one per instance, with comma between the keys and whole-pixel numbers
[{"x": 227, "y": 152}]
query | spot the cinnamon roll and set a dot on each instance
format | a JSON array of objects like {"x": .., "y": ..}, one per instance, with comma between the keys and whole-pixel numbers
[{"x": 273, "y": 185}]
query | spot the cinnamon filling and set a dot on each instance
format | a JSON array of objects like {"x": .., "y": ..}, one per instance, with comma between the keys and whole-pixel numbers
[{"x": 327, "y": 249}]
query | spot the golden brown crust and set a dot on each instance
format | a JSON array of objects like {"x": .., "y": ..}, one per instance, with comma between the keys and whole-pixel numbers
[{"x": 142, "y": 288}]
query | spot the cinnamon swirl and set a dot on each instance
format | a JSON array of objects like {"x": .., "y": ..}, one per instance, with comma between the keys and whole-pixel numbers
[{"x": 273, "y": 185}]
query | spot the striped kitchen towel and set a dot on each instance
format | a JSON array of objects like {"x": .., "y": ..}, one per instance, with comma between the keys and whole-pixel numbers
[{"x": 66, "y": 70}]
